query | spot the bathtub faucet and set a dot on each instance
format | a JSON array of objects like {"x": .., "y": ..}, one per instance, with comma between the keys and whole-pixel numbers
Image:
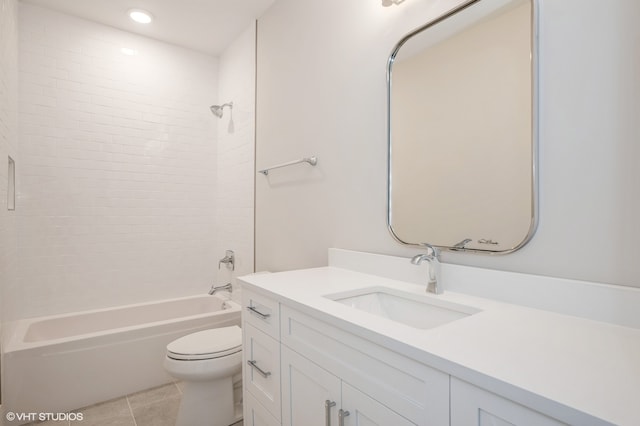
[{"x": 226, "y": 287}]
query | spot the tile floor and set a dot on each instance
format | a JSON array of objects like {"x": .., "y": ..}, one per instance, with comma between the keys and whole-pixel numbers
[{"x": 153, "y": 407}]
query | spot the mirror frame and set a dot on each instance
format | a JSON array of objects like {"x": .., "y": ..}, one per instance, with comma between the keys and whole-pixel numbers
[{"x": 534, "y": 130}]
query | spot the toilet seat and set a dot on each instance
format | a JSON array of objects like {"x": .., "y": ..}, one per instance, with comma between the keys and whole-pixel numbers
[{"x": 207, "y": 344}]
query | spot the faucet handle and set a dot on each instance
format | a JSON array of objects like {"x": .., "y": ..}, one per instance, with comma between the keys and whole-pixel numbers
[
  {"x": 431, "y": 250},
  {"x": 228, "y": 259}
]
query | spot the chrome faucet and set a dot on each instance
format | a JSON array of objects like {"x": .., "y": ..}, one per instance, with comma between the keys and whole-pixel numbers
[
  {"x": 228, "y": 259},
  {"x": 434, "y": 285},
  {"x": 226, "y": 287}
]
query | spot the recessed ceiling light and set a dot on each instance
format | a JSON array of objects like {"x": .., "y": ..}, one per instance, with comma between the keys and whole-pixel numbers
[{"x": 141, "y": 16}]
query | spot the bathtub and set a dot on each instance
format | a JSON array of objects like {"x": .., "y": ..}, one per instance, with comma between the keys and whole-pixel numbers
[{"x": 63, "y": 362}]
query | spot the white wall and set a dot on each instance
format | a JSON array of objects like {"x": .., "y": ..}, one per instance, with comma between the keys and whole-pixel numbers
[
  {"x": 236, "y": 157},
  {"x": 321, "y": 91},
  {"x": 117, "y": 195},
  {"x": 8, "y": 143}
]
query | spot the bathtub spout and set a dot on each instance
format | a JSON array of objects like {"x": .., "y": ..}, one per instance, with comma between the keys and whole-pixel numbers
[{"x": 226, "y": 287}]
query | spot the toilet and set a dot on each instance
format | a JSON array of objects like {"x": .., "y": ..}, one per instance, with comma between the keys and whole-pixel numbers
[{"x": 207, "y": 362}]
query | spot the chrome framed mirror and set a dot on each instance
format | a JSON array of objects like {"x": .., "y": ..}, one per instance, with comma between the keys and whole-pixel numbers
[{"x": 462, "y": 129}]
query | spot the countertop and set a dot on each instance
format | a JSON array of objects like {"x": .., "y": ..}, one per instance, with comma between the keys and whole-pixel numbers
[{"x": 562, "y": 365}]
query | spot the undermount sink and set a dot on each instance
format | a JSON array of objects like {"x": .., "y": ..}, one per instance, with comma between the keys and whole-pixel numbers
[{"x": 407, "y": 308}]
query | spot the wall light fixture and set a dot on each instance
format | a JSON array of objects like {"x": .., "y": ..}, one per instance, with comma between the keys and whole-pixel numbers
[{"x": 387, "y": 3}]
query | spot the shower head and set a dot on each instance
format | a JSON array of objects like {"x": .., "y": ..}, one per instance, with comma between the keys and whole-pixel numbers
[{"x": 217, "y": 109}]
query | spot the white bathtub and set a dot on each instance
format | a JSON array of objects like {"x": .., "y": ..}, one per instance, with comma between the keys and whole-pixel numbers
[{"x": 64, "y": 362}]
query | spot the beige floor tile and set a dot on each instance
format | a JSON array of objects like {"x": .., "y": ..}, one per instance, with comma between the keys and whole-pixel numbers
[
  {"x": 161, "y": 413},
  {"x": 151, "y": 396},
  {"x": 110, "y": 413}
]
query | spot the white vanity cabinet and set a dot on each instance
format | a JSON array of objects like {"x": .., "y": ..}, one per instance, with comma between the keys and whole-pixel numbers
[
  {"x": 304, "y": 368},
  {"x": 503, "y": 365},
  {"x": 300, "y": 370},
  {"x": 328, "y": 376}
]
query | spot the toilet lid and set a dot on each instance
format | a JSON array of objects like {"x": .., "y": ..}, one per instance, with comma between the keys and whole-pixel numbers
[{"x": 207, "y": 344}]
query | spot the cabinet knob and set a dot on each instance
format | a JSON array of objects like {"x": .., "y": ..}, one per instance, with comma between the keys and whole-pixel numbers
[
  {"x": 327, "y": 411},
  {"x": 341, "y": 415}
]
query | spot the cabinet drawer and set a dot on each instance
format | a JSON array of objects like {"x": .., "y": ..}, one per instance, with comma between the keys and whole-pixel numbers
[
  {"x": 261, "y": 312},
  {"x": 419, "y": 392},
  {"x": 261, "y": 368},
  {"x": 255, "y": 414}
]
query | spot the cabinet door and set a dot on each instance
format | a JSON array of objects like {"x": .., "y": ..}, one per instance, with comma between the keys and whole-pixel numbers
[
  {"x": 255, "y": 414},
  {"x": 261, "y": 368},
  {"x": 366, "y": 411},
  {"x": 471, "y": 405},
  {"x": 306, "y": 389}
]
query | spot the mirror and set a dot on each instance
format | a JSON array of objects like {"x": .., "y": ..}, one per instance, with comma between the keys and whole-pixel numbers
[{"x": 462, "y": 129}]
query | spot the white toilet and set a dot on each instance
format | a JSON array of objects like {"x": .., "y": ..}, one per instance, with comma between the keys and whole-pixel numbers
[{"x": 206, "y": 362}]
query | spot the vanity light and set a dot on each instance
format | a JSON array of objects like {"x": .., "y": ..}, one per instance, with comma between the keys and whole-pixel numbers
[
  {"x": 387, "y": 3},
  {"x": 140, "y": 16}
]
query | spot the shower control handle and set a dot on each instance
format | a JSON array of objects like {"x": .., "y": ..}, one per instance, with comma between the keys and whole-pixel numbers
[{"x": 229, "y": 259}]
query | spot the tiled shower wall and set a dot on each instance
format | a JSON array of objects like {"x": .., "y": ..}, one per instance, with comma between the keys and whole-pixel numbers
[
  {"x": 117, "y": 197},
  {"x": 8, "y": 140},
  {"x": 236, "y": 156}
]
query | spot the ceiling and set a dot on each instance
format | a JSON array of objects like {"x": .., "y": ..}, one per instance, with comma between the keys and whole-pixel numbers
[{"x": 204, "y": 25}]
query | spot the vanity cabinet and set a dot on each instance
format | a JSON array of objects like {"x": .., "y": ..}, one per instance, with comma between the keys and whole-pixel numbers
[
  {"x": 322, "y": 369},
  {"x": 304, "y": 369}
]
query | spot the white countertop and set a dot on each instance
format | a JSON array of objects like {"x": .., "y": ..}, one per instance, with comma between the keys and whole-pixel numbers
[{"x": 559, "y": 364}]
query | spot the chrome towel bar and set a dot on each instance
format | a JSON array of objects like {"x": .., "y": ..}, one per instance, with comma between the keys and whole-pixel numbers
[{"x": 311, "y": 160}]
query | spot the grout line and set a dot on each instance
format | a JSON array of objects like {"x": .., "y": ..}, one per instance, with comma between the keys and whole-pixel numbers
[{"x": 131, "y": 411}]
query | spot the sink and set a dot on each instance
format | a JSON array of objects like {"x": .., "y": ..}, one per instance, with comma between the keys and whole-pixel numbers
[{"x": 414, "y": 310}]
